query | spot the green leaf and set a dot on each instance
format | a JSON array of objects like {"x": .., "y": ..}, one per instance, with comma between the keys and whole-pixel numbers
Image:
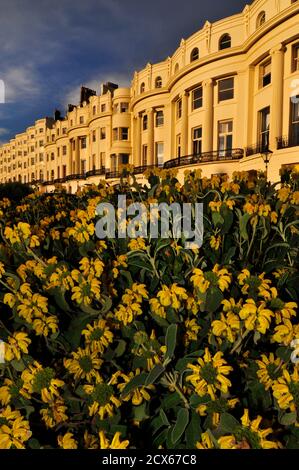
[
  {"x": 288, "y": 418},
  {"x": 121, "y": 347},
  {"x": 213, "y": 299},
  {"x": 228, "y": 424},
  {"x": 140, "y": 413},
  {"x": 243, "y": 221},
  {"x": 180, "y": 425},
  {"x": 33, "y": 443},
  {"x": 284, "y": 353},
  {"x": 193, "y": 430},
  {"x": 154, "y": 374},
  {"x": 137, "y": 381},
  {"x": 170, "y": 340},
  {"x": 217, "y": 219},
  {"x": 18, "y": 365},
  {"x": 164, "y": 418}
]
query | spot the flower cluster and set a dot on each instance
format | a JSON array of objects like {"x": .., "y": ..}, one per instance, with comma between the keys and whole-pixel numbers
[{"x": 118, "y": 343}]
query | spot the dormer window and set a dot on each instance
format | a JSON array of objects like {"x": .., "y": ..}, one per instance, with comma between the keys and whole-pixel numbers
[
  {"x": 261, "y": 19},
  {"x": 225, "y": 42},
  {"x": 158, "y": 82},
  {"x": 194, "y": 54}
]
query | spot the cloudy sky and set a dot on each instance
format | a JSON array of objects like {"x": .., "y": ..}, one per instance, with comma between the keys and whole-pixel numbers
[{"x": 49, "y": 48}]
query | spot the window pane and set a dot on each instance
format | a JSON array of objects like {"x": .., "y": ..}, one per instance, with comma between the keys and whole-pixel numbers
[
  {"x": 226, "y": 89},
  {"x": 197, "y": 98}
]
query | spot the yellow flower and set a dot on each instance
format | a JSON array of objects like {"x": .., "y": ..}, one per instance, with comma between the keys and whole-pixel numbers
[
  {"x": 227, "y": 327},
  {"x": 67, "y": 441},
  {"x": 269, "y": 369},
  {"x": 283, "y": 193},
  {"x": 157, "y": 308},
  {"x": 137, "y": 244},
  {"x": 37, "y": 379},
  {"x": 114, "y": 444},
  {"x": 84, "y": 364},
  {"x": 102, "y": 399},
  {"x": 285, "y": 333},
  {"x": 256, "y": 318},
  {"x": 55, "y": 413},
  {"x": 14, "y": 430},
  {"x": 286, "y": 390},
  {"x": 209, "y": 375},
  {"x": 206, "y": 441},
  {"x": 17, "y": 344},
  {"x": 192, "y": 329},
  {"x": 98, "y": 336},
  {"x": 257, "y": 437},
  {"x": 215, "y": 242},
  {"x": 199, "y": 281},
  {"x": 131, "y": 303},
  {"x": 2, "y": 270}
]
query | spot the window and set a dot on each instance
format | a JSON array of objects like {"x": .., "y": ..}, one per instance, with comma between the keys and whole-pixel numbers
[
  {"x": 71, "y": 122},
  {"x": 158, "y": 82},
  {"x": 197, "y": 98},
  {"x": 94, "y": 110},
  {"x": 115, "y": 108},
  {"x": 265, "y": 74},
  {"x": 144, "y": 155},
  {"x": 176, "y": 68},
  {"x": 124, "y": 133},
  {"x": 102, "y": 159},
  {"x": 52, "y": 157},
  {"x": 103, "y": 133},
  {"x": 225, "y": 89},
  {"x": 179, "y": 109},
  {"x": 159, "y": 118},
  {"x": 83, "y": 143},
  {"x": 142, "y": 87},
  {"x": 41, "y": 130},
  {"x": 53, "y": 137},
  {"x": 264, "y": 128},
  {"x": 124, "y": 107},
  {"x": 58, "y": 151},
  {"x": 194, "y": 54},
  {"x": 294, "y": 130},
  {"x": 160, "y": 153},
  {"x": 63, "y": 171},
  {"x": 123, "y": 158},
  {"x": 103, "y": 108},
  {"x": 144, "y": 122},
  {"x": 225, "y": 42},
  {"x": 94, "y": 137},
  {"x": 64, "y": 130},
  {"x": 178, "y": 145},
  {"x": 83, "y": 166},
  {"x": 261, "y": 19},
  {"x": 64, "y": 150},
  {"x": 197, "y": 140},
  {"x": 225, "y": 137},
  {"x": 121, "y": 133},
  {"x": 295, "y": 58},
  {"x": 81, "y": 120}
]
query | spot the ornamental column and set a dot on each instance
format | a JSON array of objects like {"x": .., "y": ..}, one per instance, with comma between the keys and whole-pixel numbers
[
  {"x": 70, "y": 162},
  {"x": 184, "y": 129},
  {"x": 276, "y": 116},
  {"x": 207, "y": 131},
  {"x": 151, "y": 137},
  {"x": 77, "y": 155},
  {"x": 137, "y": 157}
]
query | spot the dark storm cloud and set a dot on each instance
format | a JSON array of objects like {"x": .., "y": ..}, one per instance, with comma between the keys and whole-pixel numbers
[{"x": 48, "y": 48}]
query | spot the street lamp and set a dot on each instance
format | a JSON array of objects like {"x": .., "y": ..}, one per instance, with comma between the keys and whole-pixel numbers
[{"x": 266, "y": 155}]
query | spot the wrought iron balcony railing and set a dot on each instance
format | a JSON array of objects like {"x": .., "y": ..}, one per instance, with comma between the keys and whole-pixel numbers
[
  {"x": 285, "y": 142},
  {"x": 95, "y": 172},
  {"x": 256, "y": 149},
  {"x": 217, "y": 155}
]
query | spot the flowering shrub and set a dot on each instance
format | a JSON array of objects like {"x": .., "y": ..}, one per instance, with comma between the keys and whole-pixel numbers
[{"x": 143, "y": 343}]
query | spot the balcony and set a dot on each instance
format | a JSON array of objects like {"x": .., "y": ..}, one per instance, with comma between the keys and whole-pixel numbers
[
  {"x": 257, "y": 149},
  {"x": 95, "y": 172},
  {"x": 288, "y": 142},
  {"x": 206, "y": 157}
]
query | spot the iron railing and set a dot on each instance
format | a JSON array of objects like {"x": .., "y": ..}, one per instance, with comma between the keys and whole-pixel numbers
[
  {"x": 256, "y": 149},
  {"x": 95, "y": 172},
  {"x": 285, "y": 142},
  {"x": 214, "y": 156}
]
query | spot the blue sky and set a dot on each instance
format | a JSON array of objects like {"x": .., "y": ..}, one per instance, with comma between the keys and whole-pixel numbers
[{"x": 49, "y": 48}]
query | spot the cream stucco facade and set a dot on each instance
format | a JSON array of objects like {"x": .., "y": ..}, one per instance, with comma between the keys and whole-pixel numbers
[{"x": 227, "y": 96}]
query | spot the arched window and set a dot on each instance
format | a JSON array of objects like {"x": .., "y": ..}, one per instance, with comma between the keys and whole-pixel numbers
[
  {"x": 194, "y": 54},
  {"x": 260, "y": 19},
  {"x": 142, "y": 87},
  {"x": 176, "y": 68},
  {"x": 225, "y": 42},
  {"x": 158, "y": 82}
]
